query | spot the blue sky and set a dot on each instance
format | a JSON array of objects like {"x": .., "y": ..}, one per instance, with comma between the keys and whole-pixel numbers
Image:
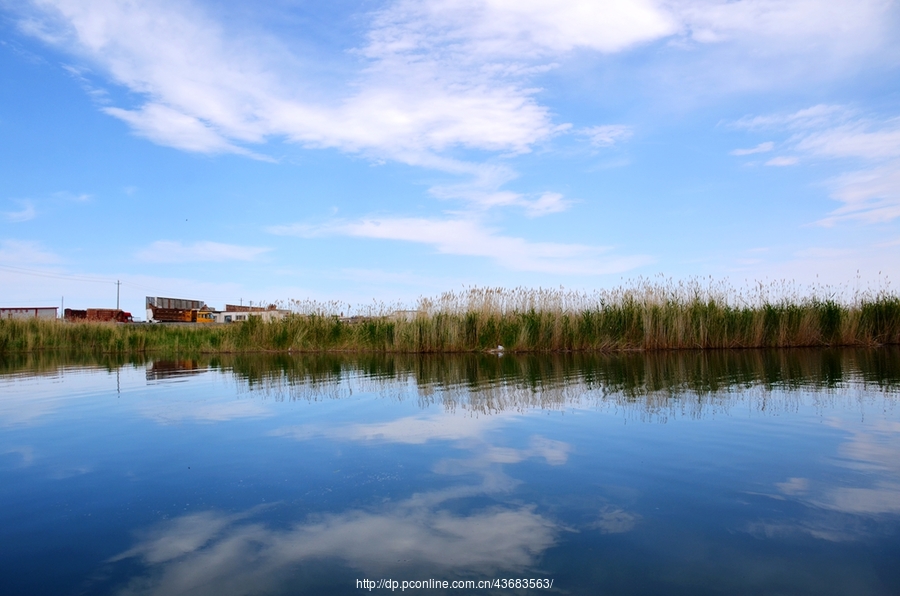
[{"x": 361, "y": 151}]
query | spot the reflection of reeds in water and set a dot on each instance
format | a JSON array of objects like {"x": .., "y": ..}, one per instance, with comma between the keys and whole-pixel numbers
[
  {"x": 52, "y": 361},
  {"x": 655, "y": 385},
  {"x": 644, "y": 316}
]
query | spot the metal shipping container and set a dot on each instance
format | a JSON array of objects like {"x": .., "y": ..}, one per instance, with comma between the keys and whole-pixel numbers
[
  {"x": 29, "y": 312},
  {"x": 179, "y": 303}
]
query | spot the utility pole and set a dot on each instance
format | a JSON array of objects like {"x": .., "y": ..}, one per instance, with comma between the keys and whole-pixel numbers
[{"x": 118, "y": 283}]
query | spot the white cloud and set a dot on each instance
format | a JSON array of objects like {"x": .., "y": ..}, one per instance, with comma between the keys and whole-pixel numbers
[
  {"x": 529, "y": 28},
  {"x": 469, "y": 237},
  {"x": 25, "y": 252},
  {"x": 860, "y": 139},
  {"x": 484, "y": 190},
  {"x": 549, "y": 202},
  {"x": 26, "y": 213},
  {"x": 871, "y": 196},
  {"x": 166, "y": 251},
  {"x": 431, "y": 77},
  {"x": 807, "y": 25},
  {"x": 608, "y": 135},
  {"x": 435, "y": 74},
  {"x": 869, "y": 146},
  {"x": 782, "y": 161},
  {"x": 832, "y": 132},
  {"x": 71, "y": 196},
  {"x": 761, "y": 148},
  {"x": 212, "y": 89},
  {"x": 167, "y": 126},
  {"x": 816, "y": 116}
]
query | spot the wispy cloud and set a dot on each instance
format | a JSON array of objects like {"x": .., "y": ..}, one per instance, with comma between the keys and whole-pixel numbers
[
  {"x": 469, "y": 237},
  {"x": 434, "y": 75},
  {"x": 793, "y": 23},
  {"x": 817, "y": 116},
  {"x": 25, "y": 252},
  {"x": 523, "y": 29},
  {"x": 549, "y": 202},
  {"x": 212, "y": 89},
  {"x": 871, "y": 196},
  {"x": 25, "y": 213},
  {"x": 782, "y": 161},
  {"x": 425, "y": 79},
  {"x": 761, "y": 148},
  {"x": 168, "y": 126},
  {"x": 862, "y": 138},
  {"x": 868, "y": 146},
  {"x": 484, "y": 189},
  {"x": 81, "y": 197},
  {"x": 608, "y": 135},
  {"x": 166, "y": 251}
]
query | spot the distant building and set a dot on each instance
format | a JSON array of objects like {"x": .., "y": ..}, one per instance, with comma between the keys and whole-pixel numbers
[
  {"x": 234, "y": 313},
  {"x": 29, "y": 312},
  {"x": 181, "y": 310},
  {"x": 236, "y": 308}
]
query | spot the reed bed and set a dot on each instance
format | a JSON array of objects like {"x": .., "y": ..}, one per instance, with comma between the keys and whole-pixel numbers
[{"x": 646, "y": 315}]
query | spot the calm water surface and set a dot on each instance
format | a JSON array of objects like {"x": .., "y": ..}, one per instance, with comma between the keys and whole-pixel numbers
[{"x": 720, "y": 473}]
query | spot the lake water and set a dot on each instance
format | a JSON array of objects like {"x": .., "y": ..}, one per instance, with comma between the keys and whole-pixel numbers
[{"x": 746, "y": 472}]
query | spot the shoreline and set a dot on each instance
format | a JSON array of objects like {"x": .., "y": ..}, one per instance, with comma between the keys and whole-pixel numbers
[{"x": 619, "y": 328}]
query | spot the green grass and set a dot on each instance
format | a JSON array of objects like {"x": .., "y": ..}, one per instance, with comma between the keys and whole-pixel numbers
[{"x": 644, "y": 316}]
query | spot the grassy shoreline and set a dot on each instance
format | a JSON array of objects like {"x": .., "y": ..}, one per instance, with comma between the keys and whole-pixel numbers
[{"x": 648, "y": 317}]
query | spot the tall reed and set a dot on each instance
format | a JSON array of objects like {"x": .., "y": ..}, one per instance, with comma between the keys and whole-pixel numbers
[{"x": 646, "y": 315}]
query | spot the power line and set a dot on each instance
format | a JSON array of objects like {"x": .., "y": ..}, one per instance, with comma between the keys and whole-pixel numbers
[
  {"x": 37, "y": 273},
  {"x": 54, "y": 275},
  {"x": 26, "y": 300},
  {"x": 118, "y": 283}
]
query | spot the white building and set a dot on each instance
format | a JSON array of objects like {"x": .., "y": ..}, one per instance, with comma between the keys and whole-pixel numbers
[{"x": 236, "y": 316}]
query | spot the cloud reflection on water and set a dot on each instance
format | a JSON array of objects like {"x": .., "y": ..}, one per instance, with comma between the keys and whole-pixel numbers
[
  {"x": 175, "y": 410},
  {"x": 218, "y": 554},
  {"x": 875, "y": 452},
  {"x": 846, "y": 513},
  {"x": 413, "y": 430},
  {"x": 614, "y": 520},
  {"x": 214, "y": 553},
  {"x": 417, "y": 430}
]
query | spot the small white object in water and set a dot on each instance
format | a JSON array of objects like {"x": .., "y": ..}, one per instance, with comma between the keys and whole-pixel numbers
[{"x": 499, "y": 348}]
